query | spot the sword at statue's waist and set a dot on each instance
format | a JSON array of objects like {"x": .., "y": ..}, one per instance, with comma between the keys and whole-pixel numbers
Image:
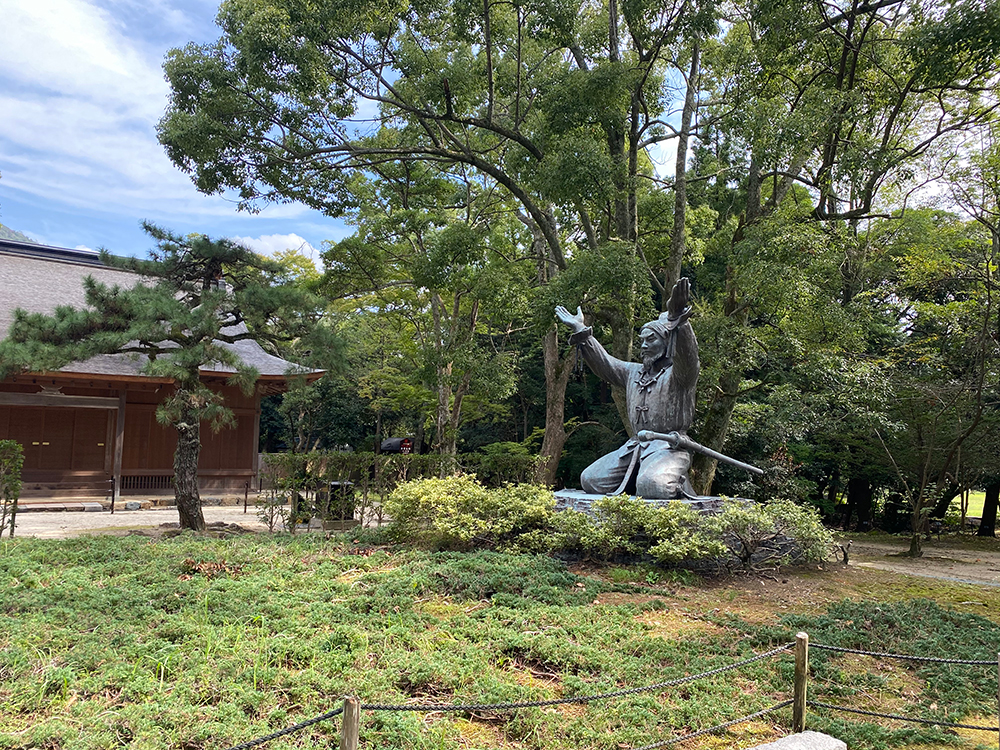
[{"x": 678, "y": 440}]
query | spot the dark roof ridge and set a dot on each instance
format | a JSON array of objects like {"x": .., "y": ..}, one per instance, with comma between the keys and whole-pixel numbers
[{"x": 51, "y": 253}]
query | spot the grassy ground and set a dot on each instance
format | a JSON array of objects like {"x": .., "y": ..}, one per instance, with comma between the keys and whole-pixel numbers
[{"x": 198, "y": 643}]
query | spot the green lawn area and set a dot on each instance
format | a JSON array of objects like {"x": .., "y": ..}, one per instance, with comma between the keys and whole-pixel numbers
[
  {"x": 198, "y": 643},
  {"x": 976, "y": 500}
]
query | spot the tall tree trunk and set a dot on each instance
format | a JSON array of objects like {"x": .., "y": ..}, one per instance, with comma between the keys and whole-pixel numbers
[
  {"x": 557, "y": 373},
  {"x": 859, "y": 499},
  {"x": 988, "y": 524},
  {"x": 677, "y": 238},
  {"x": 715, "y": 426},
  {"x": 186, "y": 494},
  {"x": 713, "y": 431}
]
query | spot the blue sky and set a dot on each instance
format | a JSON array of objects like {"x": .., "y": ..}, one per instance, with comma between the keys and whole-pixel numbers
[{"x": 81, "y": 90}]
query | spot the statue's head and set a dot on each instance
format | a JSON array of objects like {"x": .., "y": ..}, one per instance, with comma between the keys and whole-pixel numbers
[{"x": 654, "y": 341}]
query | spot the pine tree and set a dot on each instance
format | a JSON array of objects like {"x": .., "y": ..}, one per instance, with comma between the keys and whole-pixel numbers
[{"x": 193, "y": 298}]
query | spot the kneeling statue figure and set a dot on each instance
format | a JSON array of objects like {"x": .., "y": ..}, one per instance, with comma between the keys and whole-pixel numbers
[{"x": 660, "y": 401}]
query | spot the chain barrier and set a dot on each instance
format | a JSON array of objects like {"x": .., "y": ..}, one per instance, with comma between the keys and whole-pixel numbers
[
  {"x": 934, "y": 659},
  {"x": 574, "y": 699},
  {"x": 288, "y": 730},
  {"x": 646, "y": 688},
  {"x": 717, "y": 727},
  {"x": 897, "y": 717},
  {"x": 511, "y": 706}
]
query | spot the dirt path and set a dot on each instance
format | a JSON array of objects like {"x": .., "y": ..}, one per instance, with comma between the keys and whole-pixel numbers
[{"x": 941, "y": 560}]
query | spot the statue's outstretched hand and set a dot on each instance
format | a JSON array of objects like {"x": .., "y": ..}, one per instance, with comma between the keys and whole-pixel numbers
[
  {"x": 679, "y": 304},
  {"x": 575, "y": 322}
]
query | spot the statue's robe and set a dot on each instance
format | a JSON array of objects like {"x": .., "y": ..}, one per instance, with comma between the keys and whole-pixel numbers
[{"x": 660, "y": 401}]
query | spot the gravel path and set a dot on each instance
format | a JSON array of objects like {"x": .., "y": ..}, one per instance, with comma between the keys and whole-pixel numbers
[
  {"x": 68, "y": 524},
  {"x": 980, "y": 567}
]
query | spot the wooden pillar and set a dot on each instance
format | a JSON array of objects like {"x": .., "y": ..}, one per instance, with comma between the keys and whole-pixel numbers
[
  {"x": 256, "y": 434},
  {"x": 350, "y": 726},
  {"x": 799, "y": 691},
  {"x": 119, "y": 447}
]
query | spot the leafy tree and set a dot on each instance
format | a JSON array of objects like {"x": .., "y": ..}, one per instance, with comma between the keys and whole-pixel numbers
[
  {"x": 193, "y": 299},
  {"x": 835, "y": 106},
  {"x": 438, "y": 255},
  {"x": 551, "y": 104}
]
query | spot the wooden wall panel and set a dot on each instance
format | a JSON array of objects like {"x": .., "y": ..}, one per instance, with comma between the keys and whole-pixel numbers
[
  {"x": 57, "y": 439},
  {"x": 25, "y": 427},
  {"x": 235, "y": 443},
  {"x": 136, "y": 443},
  {"x": 211, "y": 448},
  {"x": 162, "y": 443},
  {"x": 90, "y": 444},
  {"x": 4, "y": 421}
]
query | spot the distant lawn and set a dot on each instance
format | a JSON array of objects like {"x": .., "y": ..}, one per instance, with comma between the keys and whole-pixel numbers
[
  {"x": 199, "y": 644},
  {"x": 976, "y": 501}
]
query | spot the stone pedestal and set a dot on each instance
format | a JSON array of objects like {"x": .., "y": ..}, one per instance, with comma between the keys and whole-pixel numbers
[
  {"x": 804, "y": 741},
  {"x": 582, "y": 501}
]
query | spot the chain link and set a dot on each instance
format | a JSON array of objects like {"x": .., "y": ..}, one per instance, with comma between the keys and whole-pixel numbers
[
  {"x": 934, "y": 659},
  {"x": 901, "y": 718},
  {"x": 288, "y": 730},
  {"x": 718, "y": 727},
  {"x": 574, "y": 699}
]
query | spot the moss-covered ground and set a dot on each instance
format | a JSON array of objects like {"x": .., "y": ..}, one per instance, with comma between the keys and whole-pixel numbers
[{"x": 199, "y": 643}]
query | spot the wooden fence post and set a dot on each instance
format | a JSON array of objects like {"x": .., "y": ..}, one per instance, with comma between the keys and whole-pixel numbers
[
  {"x": 350, "y": 725},
  {"x": 801, "y": 674}
]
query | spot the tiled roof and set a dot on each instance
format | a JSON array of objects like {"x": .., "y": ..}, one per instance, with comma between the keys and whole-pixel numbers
[{"x": 38, "y": 278}]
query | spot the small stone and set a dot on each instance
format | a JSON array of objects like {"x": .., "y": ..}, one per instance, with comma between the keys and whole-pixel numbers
[{"x": 133, "y": 505}]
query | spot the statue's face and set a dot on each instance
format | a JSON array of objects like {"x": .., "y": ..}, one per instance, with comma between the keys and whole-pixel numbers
[{"x": 652, "y": 345}]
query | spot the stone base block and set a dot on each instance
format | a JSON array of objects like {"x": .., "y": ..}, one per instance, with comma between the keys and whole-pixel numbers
[
  {"x": 804, "y": 741},
  {"x": 582, "y": 501}
]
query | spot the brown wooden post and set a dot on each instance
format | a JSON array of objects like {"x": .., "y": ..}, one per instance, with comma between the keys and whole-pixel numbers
[
  {"x": 350, "y": 726},
  {"x": 801, "y": 674},
  {"x": 119, "y": 447}
]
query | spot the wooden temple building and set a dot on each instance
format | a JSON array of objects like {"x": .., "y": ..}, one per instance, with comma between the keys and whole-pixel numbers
[{"x": 90, "y": 428}]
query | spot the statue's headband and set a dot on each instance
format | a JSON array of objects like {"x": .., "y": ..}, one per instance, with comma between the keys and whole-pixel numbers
[{"x": 665, "y": 325}]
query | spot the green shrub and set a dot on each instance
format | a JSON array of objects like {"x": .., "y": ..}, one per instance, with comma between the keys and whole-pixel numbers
[
  {"x": 680, "y": 532},
  {"x": 778, "y": 532},
  {"x": 624, "y": 525},
  {"x": 458, "y": 512}
]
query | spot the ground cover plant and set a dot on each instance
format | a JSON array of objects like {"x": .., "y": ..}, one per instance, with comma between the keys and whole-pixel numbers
[{"x": 195, "y": 642}]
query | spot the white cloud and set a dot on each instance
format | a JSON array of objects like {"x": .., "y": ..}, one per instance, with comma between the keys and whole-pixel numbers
[
  {"x": 81, "y": 91},
  {"x": 269, "y": 244},
  {"x": 76, "y": 50}
]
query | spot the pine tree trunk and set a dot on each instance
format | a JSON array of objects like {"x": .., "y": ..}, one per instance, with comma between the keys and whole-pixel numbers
[
  {"x": 186, "y": 494},
  {"x": 988, "y": 524}
]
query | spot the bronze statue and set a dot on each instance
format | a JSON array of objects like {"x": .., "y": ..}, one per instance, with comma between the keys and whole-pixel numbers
[{"x": 659, "y": 396}]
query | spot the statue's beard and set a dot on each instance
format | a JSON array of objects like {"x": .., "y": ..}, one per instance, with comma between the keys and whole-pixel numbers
[{"x": 651, "y": 362}]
